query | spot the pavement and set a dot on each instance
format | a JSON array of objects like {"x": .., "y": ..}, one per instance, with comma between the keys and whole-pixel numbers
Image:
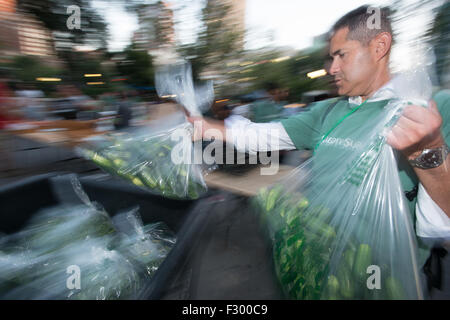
[{"x": 232, "y": 260}]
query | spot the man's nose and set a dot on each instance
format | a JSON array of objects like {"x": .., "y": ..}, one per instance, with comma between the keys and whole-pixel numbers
[{"x": 334, "y": 68}]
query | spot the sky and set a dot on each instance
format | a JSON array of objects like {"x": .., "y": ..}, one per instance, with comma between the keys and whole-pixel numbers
[
  {"x": 121, "y": 24},
  {"x": 288, "y": 22},
  {"x": 294, "y": 23},
  {"x": 291, "y": 23}
]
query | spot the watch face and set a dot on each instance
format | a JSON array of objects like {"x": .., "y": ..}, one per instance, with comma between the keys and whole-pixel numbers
[{"x": 431, "y": 158}]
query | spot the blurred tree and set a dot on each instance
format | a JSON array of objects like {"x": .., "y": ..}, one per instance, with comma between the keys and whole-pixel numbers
[
  {"x": 80, "y": 63},
  {"x": 137, "y": 67},
  {"x": 217, "y": 40},
  {"x": 26, "y": 69},
  {"x": 93, "y": 33},
  {"x": 288, "y": 73}
]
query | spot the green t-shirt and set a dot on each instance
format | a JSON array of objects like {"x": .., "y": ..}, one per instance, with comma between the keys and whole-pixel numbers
[
  {"x": 307, "y": 129},
  {"x": 266, "y": 111}
]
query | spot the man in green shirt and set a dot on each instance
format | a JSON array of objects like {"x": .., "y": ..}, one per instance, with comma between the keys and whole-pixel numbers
[
  {"x": 360, "y": 67},
  {"x": 270, "y": 109}
]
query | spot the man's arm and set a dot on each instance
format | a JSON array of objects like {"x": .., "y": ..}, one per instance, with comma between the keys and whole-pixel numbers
[
  {"x": 301, "y": 131},
  {"x": 203, "y": 128},
  {"x": 246, "y": 136},
  {"x": 418, "y": 129}
]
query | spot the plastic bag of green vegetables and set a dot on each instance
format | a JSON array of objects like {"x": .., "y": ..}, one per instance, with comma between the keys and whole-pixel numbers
[
  {"x": 37, "y": 258},
  {"x": 84, "y": 270},
  {"x": 340, "y": 224},
  {"x": 76, "y": 251},
  {"x": 146, "y": 246},
  {"x": 159, "y": 157},
  {"x": 144, "y": 158},
  {"x": 42, "y": 262}
]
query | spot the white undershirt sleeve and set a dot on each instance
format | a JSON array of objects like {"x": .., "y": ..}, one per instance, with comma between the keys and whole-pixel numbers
[
  {"x": 431, "y": 220},
  {"x": 252, "y": 137}
]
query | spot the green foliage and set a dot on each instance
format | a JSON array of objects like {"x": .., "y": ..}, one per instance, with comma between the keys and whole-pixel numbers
[
  {"x": 137, "y": 67},
  {"x": 26, "y": 69},
  {"x": 53, "y": 15},
  {"x": 291, "y": 73}
]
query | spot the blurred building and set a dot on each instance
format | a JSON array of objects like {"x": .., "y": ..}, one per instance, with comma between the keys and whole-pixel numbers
[
  {"x": 8, "y": 6},
  {"x": 236, "y": 18},
  {"x": 156, "y": 32},
  {"x": 9, "y": 35},
  {"x": 224, "y": 17},
  {"x": 22, "y": 34}
]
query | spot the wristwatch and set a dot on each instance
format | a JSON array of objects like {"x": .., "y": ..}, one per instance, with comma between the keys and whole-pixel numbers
[{"x": 431, "y": 158}]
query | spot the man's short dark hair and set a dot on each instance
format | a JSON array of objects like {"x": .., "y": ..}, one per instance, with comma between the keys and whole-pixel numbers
[
  {"x": 358, "y": 22},
  {"x": 271, "y": 85}
]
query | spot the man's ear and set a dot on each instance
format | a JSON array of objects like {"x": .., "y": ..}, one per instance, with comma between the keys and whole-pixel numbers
[{"x": 381, "y": 45}]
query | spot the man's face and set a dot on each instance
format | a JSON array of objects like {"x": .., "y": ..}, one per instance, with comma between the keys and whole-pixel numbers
[
  {"x": 276, "y": 94},
  {"x": 353, "y": 65}
]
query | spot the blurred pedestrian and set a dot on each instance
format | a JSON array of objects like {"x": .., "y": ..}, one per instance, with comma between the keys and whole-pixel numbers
[
  {"x": 269, "y": 109},
  {"x": 124, "y": 112},
  {"x": 30, "y": 100},
  {"x": 9, "y": 108}
]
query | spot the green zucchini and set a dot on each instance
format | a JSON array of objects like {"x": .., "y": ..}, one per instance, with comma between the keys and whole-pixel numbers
[
  {"x": 333, "y": 285},
  {"x": 363, "y": 259},
  {"x": 346, "y": 288},
  {"x": 394, "y": 289}
]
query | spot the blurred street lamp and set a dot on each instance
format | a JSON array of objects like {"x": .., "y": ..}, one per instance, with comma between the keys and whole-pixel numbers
[
  {"x": 246, "y": 63},
  {"x": 280, "y": 59},
  {"x": 317, "y": 74},
  {"x": 246, "y": 79},
  {"x": 48, "y": 79}
]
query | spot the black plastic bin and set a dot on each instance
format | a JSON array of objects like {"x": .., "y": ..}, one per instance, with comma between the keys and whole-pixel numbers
[{"x": 20, "y": 200}]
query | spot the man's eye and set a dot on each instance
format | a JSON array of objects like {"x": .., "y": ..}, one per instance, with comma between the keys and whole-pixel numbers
[{"x": 341, "y": 55}]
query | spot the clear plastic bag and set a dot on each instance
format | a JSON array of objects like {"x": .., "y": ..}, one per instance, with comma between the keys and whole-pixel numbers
[
  {"x": 147, "y": 246},
  {"x": 55, "y": 239},
  {"x": 115, "y": 257},
  {"x": 176, "y": 81},
  {"x": 144, "y": 158},
  {"x": 159, "y": 158},
  {"x": 340, "y": 226},
  {"x": 104, "y": 274}
]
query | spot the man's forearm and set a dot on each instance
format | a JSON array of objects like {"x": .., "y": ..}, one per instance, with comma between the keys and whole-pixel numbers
[
  {"x": 245, "y": 135},
  {"x": 437, "y": 183},
  {"x": 213, "y": 127},
  {"x": 207, "y": 129}
]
